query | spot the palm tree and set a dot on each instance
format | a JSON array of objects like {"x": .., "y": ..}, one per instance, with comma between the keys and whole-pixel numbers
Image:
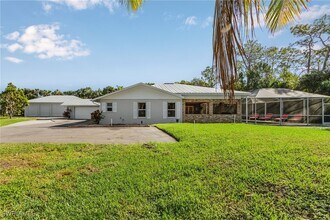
[{"x": 236, "y": 18}]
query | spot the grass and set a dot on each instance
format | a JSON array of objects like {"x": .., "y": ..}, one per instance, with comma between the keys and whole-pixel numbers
[
  {"x": 215, "y": 171},
  {"x": 7, "y": 121}
]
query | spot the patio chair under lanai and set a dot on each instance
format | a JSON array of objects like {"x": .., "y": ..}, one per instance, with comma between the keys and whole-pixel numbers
[{"x": 267, "y": 117}]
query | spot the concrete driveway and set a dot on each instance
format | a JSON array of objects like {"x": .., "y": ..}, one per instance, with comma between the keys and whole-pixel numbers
[{"x": 47, "y": 131}]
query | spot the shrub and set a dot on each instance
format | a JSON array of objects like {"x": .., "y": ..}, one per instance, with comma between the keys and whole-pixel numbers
[
  {"x": 12, "y": 101},
  {"x": 67, "y": 113},
  {"x": 97, "y": 116}
]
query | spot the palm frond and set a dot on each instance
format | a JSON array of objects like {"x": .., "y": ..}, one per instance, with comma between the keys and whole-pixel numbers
[
  {"x": 231, "y": 18},
  {"x": 281, "y": 12},
  {"x": 133, "y": 5}
]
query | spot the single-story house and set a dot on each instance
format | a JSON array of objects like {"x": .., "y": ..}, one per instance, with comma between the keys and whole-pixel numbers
[
  {"x": 55, "y": 105},
  {"x": 169, "y": 102}
]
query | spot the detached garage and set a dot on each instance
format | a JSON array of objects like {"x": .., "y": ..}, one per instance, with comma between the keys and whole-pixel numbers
[{"x": 54, "y": 106}]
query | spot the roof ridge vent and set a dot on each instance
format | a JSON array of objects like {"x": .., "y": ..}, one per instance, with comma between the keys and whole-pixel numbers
[{"x": 168, "y": 83}]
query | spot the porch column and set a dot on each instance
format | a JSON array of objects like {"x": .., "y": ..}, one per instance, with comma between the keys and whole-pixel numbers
[
  {"x": 265, "y": 108},
  {"x": 304, "y": 110},
  {"x": 307, "y": 103},
  {"x": 323, "y": 111},
  {"x": 255, "y": 111},
  {"x": 211, "y": 108},
  {"x": 281, "y": 110},
  {"x": 252, "y": 106},
  {"x": 246, "y": 110}
]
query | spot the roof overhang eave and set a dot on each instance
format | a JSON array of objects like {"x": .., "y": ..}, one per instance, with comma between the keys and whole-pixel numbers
[{"x": 300, "y": 97}]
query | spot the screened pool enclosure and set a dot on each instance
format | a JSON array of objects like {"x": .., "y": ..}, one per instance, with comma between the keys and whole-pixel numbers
[{"x": 286, "y": 107}]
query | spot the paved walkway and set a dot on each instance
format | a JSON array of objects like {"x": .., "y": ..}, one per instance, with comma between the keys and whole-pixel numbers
[{"x": 47, "y": 131}]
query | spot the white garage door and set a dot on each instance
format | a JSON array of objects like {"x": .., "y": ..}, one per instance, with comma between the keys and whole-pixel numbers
[
  {"x": 45, "y": 110},
  {"x": 84, "y": 112},
  {"x": 57, "y": 110},
  {"x": 32, "y": 110}
]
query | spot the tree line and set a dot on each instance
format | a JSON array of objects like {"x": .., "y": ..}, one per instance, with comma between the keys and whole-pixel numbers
[
  {"x": 304, "y": 65},
  {"x": 84, "y": 93}
]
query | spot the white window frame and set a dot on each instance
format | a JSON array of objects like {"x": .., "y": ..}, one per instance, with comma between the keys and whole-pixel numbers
[
  {"x": 145, "y": 109},
  {"x": 171, "y": 109},
  {"x": 109, "y": 107}
]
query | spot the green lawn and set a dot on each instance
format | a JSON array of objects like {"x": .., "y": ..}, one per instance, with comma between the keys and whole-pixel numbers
[
  {"x": 7, "y": 121},
  {"x": 215, "y": 171}
]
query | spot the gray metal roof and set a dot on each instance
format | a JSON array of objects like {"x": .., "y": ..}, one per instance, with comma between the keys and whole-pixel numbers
[
  {"x": 54, "y": 99},
  {"x": 81, "y": 102},
  {"x": 67, "y": 100},
  {"x": 190, "y": 89},
  {"x": 283, "y": 93}
]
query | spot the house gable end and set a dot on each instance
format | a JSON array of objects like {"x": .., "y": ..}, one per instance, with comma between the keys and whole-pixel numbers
[{"x": 140, "y": 91}]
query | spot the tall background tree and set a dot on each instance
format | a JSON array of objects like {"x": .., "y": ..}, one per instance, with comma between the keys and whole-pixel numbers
[
  {"x": 13, "y": 101},
  {"x": 298, "y": 66},
  {"x": 314, "y": 40}
]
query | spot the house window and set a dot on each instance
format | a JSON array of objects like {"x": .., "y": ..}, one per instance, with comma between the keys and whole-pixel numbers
[
  {"x": 223, "y": 108},
  {"x": 171, "y": 109},
  {"x": 141, "y": 109},
  {"x": 109, "y": 107},
  {"x": 197, "y": 108}
]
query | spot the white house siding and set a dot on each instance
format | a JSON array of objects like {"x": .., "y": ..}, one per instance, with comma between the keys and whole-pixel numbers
[
  {"x": 125, "y": 105},
  {"x": 127, "y": 113}
]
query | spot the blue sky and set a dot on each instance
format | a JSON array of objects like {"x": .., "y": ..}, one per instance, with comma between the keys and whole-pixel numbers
[{"x": 69, "y": 44}]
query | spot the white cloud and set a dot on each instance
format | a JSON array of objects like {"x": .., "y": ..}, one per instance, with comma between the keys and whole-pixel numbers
[
  {"x": 46, "y": 6},
  {"x": 192, "y": 20},
  {"x": 12, "y": 36},
  {"x": 207, "y": 22},
  {"x": 85, "y": 4},
  {"x": 13, "y": 47},
  {"x": 169, "y": 16},
  {"x": 44, "y": 41},
  {"x": 314, "y": 12},
  {"x": 13, "y": 59}
]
